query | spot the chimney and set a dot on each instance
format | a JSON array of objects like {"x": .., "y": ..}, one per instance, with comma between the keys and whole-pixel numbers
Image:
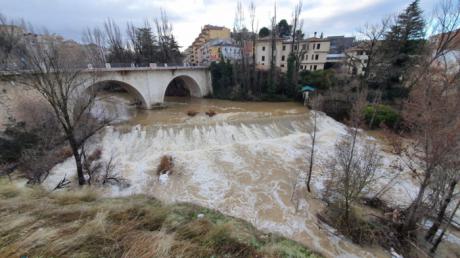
[
  {"x": 314, "y": 35},
  {"x": 321, "y": 35}
]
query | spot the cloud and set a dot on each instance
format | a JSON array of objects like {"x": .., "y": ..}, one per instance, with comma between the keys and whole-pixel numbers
[{"x": 70, "y": 18}]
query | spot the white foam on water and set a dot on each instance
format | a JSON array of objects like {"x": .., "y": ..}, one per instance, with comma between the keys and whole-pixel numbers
[{"x": 244, "y": 170}]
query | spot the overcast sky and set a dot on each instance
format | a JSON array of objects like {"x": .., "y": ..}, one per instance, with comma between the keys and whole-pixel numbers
[{"x": 70, "y": 17}]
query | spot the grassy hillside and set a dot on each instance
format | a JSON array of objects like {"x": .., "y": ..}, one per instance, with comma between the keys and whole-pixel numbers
[{"x": 81, "y": 224}]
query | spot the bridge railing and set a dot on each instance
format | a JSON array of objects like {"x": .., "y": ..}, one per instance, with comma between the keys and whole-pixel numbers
[
  {"x": 144, "y": 65},
  {"x": 24, "y": 67}
]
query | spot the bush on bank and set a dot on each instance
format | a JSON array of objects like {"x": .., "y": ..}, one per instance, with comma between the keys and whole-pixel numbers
[{"x": 377, "y": 115}]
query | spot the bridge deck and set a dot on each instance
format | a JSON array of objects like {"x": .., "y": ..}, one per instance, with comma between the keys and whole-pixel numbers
[{"x": 115, "y": 69}]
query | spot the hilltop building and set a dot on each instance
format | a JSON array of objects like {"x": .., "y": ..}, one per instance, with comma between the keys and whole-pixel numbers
[
  {"x": 356, "y": 60},
  {"x": 217, "y": 49},
  {"x": 208, "y": 32}
]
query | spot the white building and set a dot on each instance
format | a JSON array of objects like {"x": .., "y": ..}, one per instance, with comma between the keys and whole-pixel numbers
[
  {"x": 313, "y": 53},
  {"x": 356, "y": 60}
]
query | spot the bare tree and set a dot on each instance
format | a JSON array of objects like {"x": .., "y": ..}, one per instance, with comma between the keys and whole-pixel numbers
[
  {"x": 252, "y": 17},
  {"x": 95, "y": 40},
  {"x": 431, "y": 114},
  {"x": 296, "y": 23},
  {"x": 116, "y": 43},
  {"x": 296, "y": 52},
  {"x": 11, "y": 34},
  {"x": 443, "y": 189},
  {"x": 274, "y": 38},
  {"x": 443, "y": 231},
  {"x": 169, "y": 50},
  {"x": 316, "y": 104},
  {"x": 354, "y": 166},
  {"x": 54, "y": 71}
]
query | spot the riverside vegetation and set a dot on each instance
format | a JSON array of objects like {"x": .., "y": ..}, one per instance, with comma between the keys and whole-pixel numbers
[{"x": 80, "y": 223}]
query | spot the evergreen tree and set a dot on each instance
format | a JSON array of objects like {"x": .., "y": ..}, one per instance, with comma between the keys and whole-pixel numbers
[
  {"x": 173, "y": 47},
  {"x": 264, "y": 32},
  {"x": 284, "y": 29},
  {"x": 291, "y": 70},
  {"x": 403, "y": 44},
  {"x": 145, "y": 46}
]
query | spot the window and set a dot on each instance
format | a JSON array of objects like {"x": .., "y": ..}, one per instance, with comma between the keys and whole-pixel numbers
[
  {"x": 284, "y": 48},
  {"x": 314, "y": 67},
  {"x": 312, "y": 57},
  {"x": 318, "y": 46},
  {"x": 295, "y": 47},
  {"x": 282, "y": 58},
  {"x": 311, "y": 67},
  {"x": 303, "y": 57},
  {"x": 304, "y": 46},
  {"x": 263, "y": 58},
  {"x": 360, "y": 53},
  {"x": 282, "y": 65},
  {"x": 301, "y": 67},
  {"x": 306, "y": 57},
  {"x": 263, "y": 48},
  {"x": 316, "y": 57}
]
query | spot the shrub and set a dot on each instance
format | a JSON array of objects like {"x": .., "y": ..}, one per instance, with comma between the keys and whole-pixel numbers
[
  {"x": 211, "y": 113},
  {"x": 166, "y": 164},
  {"x": 15, "y": 139},
  {"x": 192, "y": 113},
  {"x": 376, "y": 115},
  {"x": 65, "y": 152},
  {"x": 95, "y": 155}
]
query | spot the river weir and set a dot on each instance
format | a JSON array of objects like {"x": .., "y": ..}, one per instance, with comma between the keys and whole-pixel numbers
[{"x": 248, "y": 160}]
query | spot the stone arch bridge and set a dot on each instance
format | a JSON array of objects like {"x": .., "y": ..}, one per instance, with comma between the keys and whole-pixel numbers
[{"x": 149, "y": 85}]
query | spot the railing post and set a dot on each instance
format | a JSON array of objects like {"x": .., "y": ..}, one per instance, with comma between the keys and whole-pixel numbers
[
  {"x": 90, "y": 66},
  {"x": 107, "y": 66},
  {"x": 153, "y": 65}
]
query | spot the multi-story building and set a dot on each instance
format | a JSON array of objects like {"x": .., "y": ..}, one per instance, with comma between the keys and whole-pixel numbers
[
  {"x": 187, "y": 55},
  {"x": 217, "y": 49},
  {"x": 356, "y": 60},
  {"x": 312, "y": 51},
  {"x": 337, "y": 56},
  {"x": 450, "y": 58},
  {"x": 208, "y": 32}
]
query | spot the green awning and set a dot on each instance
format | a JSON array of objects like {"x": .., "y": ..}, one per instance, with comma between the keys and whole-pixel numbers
[{"x": 307, "y": 88}]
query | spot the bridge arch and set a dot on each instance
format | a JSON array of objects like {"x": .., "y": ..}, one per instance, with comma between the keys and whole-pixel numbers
[
  {"x": 138, "y": 97},
  {"x": 188, "y": 82}
]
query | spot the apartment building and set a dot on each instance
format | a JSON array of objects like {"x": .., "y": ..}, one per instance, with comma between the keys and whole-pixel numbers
[
  {"x": 216, "y": 49},
  {"x": 313, "y": 52},
  {"x": 208, "y": 32}
]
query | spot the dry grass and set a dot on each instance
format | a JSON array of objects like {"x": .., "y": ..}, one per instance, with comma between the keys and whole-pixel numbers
[
  {"x": 211, "y": 113},
  {"x": 192, "y": 113},
  {"x": 80, "y": 224},
  {"x": 166, "y": 164}
]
